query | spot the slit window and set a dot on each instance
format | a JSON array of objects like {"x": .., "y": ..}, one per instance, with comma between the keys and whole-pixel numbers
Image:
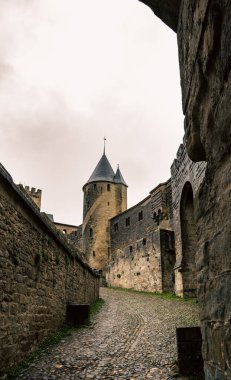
[
  {"x": 116, "y": 227},
  {"x": 93, "y": 253},
  {"x": 95, "y": 187},
  {"x": 91, "y": 232},
  {"x": 144, "y": 241},
  {"x": 108, "y": 187},
  {"x": 127, "y": 222},
  {"x": 140, "y": 215},
  {"x": 130, "y": 248}
]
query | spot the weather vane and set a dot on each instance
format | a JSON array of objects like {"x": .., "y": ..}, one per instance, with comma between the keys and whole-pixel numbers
[{"x": 104, "y": 139}]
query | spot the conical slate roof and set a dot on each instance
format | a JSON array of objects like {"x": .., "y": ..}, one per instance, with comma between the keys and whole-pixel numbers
[
  {"x": 103, "y": 171},
  {"x": 118, "y": 178}
]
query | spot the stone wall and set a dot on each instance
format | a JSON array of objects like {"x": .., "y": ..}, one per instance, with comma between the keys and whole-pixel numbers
[
  {"x": 184, "y": 172},
  {"x": 39, "y": 275},
  {"x": 204, "y": 35},
  {"x": 102, "y": 201},
  {"x": 142, "y": 253}
]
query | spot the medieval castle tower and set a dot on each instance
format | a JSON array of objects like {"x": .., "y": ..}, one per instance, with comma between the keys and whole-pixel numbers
[{"x": 105, "y": 196}]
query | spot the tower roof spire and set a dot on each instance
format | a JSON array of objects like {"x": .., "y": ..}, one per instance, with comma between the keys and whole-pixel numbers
[{"x": 104, "y": 139}]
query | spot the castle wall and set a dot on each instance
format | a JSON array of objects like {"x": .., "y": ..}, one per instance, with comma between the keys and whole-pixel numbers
[
  {"x": 39, "y": 275},
  {"x": 204, "y": 35},
  {"x": 102, "y": 201},
  {"x": 183, "y": 170},
  {"x": 66, "y": 229},
  {"x": 142, "y": 248}
]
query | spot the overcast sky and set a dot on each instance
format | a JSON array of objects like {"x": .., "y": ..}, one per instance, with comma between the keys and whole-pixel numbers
[{"x": 74, "y": 71}]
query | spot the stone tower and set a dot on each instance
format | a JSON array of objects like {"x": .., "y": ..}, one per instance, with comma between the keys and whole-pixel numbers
[{"x": 105, "y": 195}]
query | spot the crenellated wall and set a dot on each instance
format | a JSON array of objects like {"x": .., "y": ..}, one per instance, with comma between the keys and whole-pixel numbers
[
  {"x": 142, "y": 254},
  {"x": 39, "y": 275}
]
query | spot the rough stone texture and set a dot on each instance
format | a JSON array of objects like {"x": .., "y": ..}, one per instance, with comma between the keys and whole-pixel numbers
[
  {"x": 185, "y": 174},
  {"x": 204, "y": 34},
  {"x": 133, "y": 338},
  {"x": 66, "y": 229},
  {"x": 39, "y": 275},
  {"x": 142, "y": 244},
  {"x": 102, "y": 201},
  {"x": 34, "y": 194}
]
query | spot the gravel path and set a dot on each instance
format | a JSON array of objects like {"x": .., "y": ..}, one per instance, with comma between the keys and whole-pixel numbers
[{"x": 132, "y": 337}]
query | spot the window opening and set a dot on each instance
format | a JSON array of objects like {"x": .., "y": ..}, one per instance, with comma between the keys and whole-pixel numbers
[
  {"x": 116, "y": 227},
  {"x": 140, "y": 215}
]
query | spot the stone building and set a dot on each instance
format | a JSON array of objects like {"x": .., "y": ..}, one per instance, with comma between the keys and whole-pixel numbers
[
  {"x": 150, "y": 246},
  {"x": 40, "y": 274},
  {"x": 203, "y": 32},
  {"x": 142, "y": 244},
  {"x": 105, "y": 195},
  {"x": 153, "y": 244}
]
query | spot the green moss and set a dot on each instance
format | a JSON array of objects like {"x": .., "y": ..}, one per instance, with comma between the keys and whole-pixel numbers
[
  {"x": 50, "y": 342},
  {"x": 164, "y": 295}
]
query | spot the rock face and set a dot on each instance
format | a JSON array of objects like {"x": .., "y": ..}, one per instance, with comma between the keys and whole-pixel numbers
[
  {"x": 204, "y": 35},
  {"x": 39, "y": 275}
]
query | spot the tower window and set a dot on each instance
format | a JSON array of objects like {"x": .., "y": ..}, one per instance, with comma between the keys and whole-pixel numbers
[
  {"x": 88, "y": 204},
  {"x": 130, "y": 248},
  {"x": 144, "y": 241},
  {"x": 116, "y": 227},
  {"x": 127, "y": 221},
  {"x": 140, "y": 215},
  {"x": 108, "y": 187},
  {"x": 91, "y": 232},
  {"x": 108, "y": 203},
  {"x": 93, "y": 253},
  {"x": 95, "y": 187}
]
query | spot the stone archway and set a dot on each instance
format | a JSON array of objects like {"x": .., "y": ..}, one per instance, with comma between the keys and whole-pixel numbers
[{"x": 188, "y": 239}]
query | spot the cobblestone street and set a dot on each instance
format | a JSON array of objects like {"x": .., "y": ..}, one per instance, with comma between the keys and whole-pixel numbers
[{"x": 132, "y": 337}]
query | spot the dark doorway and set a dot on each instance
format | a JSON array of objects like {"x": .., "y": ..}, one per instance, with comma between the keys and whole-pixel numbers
[{"x": 188, "y": 238}]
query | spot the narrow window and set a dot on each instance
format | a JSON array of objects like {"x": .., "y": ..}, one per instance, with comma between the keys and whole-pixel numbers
[
  {"x": 108, "y": 187},
  {"x": 144, "y": 241},
  {"x": 140, "y": 215},
  {"x": 93, "y": 253},
  {"x": 88, "y": 204},
  {"x": 108, "y": 252},
  {"x": 91, "y": 232},
  {"x": 130, "y": 248},
  {"x": 101, "y": 189},
  {"x": 95, "y": 187},
  {"x": 108, "y": 203},
  {"x": 127, "y": 221},
  {"x": 116, "y": 227}
]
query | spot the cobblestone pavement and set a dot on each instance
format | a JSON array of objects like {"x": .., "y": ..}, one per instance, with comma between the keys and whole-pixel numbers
[{"x": 132, "y": 337}]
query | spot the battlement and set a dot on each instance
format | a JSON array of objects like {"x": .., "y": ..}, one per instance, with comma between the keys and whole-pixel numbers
[{"x": 35, "y": 194}]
